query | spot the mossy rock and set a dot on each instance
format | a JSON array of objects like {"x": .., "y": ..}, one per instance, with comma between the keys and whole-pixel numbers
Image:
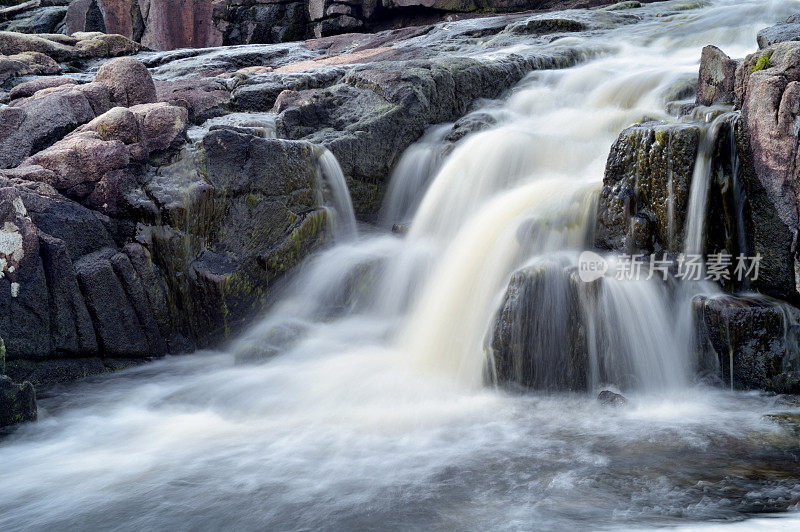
[
  {"x": 17, "y": 402},
  {"x": 623, "y": 5}
]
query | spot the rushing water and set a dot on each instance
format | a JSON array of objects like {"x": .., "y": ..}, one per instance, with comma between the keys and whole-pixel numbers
[{"x": 370, "y": 408}]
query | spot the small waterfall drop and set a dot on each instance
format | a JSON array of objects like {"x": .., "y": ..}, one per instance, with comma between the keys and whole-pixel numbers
[
  {"x": 345, "y": 219},
  {"x": 412, "y": 174}
]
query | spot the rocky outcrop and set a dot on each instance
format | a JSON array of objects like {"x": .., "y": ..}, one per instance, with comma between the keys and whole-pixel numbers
[
  {"x": 645, "y": 195},
  {"x": 755, "y": 339},
  {"x": 164, "y": 25},
  {"x": 136, "y": 241},
  {"x": 789, "y": 30},
  {"x": 750, "y": 161}
]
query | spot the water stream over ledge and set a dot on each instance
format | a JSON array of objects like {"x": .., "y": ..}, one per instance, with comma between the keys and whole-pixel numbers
[{"x": 368, "y": 406}]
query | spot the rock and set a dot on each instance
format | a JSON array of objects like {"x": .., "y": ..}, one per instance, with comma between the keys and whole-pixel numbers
[
  {"x": 46, "y": 19},
  {"x": 788, "y": 30},
  {"x": 92, "y": 163},
  {"x": 768, "y": 91},
  {"x": 128, "y": 80},
  {"x": 119, "y": 331},
  {"x": 717, "y": 78},
  {"x": 71, "y": 329},
  {"x": 757, "y": 338},
  {"x": 26, "y": 63},
  {"x": 623, "y": 5},
  {"x": 16, "y": 43},
  {"x": 204, "y": 98},
  {"x": 23, "y": 90},
  {"x": 17, "y": 402},
  {"x": 40, "y": 121},
  {"x": 539, "y": 337},
  {"x": 648, "y": 177},
  {"x": 609, "y": 398}
]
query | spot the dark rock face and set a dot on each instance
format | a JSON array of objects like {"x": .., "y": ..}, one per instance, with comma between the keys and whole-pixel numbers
[
  {"x": 17, "y": 402},
  {"x": 756, "y": 339},
  {"x": 648, "y": 179},
  {"x": 539, "y": 339}
]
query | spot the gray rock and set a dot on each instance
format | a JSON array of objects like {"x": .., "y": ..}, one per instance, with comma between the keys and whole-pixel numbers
[
  {"x": 119, "y": 332},
  {"x": 39, "y": 122},
  {"x": 789, "y": 30},
  {"x": 717, "y": 78},
  {"x": 609, "y": 398}
]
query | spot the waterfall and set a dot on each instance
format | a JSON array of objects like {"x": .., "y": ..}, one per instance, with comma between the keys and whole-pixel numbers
[
  {"x": 345, "y": 219},
  {"x": 411, "y": 176},
  {"x": 358, "y": 400},
  {"x": 701, "y": 182}
]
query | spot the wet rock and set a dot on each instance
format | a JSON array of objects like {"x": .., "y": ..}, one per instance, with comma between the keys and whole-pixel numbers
[
  {"x": 756, "y": 338},
  {"x": 788, "y": 30},
  {"x": 539, "y": 338},
  {"x": 128, "y": 80},
  {"x": 717, "y": 77},
  {"x": 609, "y": 398},
  {"x": 768, "y": 91},
  {"x": 648, "y": 178},
  {"x": 17, "y": 402}
]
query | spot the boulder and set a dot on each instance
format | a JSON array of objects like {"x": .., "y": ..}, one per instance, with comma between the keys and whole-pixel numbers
[
  {"x": 25, "y": 64},
  {"x": 24, "y": 90},
  {"x": 756, "y": 338},
  {"x": 768, "y": 92},
  {"x": 648, "y": 178},
  {"x": 609, "y": 398},
  {"x": 204, "y": 98},
  {"x": 39, "y": 121},
  {"x": 128, "y": 80},
  {"x": 716, "y": 83},
  {"x": 45, "y": 19},
  {"x": 539, "y": 338}
]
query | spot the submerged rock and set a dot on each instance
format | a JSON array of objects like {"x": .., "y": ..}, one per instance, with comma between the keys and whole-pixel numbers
[
  {"x": 539, "y": 338},
  {"x": 609, "y": 398}
]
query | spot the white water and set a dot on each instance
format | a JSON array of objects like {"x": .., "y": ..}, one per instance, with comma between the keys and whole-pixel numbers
[
  {"x": 372, "y": 411},
  {"x": 344, "y": 218}
]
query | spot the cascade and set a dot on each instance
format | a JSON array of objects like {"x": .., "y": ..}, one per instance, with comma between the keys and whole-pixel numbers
[{"x": 360, "y": 399}]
